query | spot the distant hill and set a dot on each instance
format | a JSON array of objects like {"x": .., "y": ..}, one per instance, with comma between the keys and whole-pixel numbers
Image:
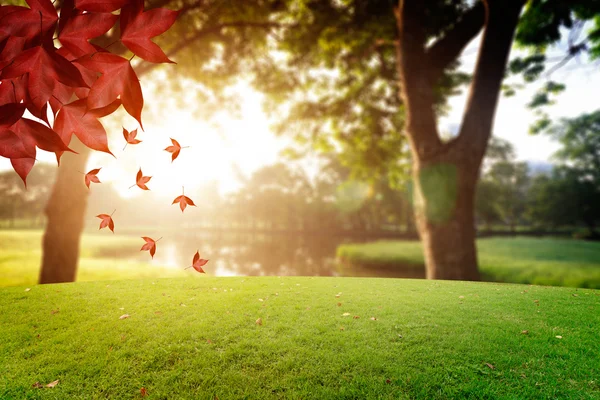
[{"x": 539, "y": 167}]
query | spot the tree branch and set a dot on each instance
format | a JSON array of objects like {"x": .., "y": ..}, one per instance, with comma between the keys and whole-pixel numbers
[
  {"x": 447, "y": 49},
  {"x": 145, "y": 67}
]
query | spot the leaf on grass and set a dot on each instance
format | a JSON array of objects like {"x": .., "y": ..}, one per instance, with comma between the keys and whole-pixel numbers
[
  {"x": 341, "y": 328},
  {"x": 143, "y": 392},
  {"x": 124, "y": 316},
  {"x": 339, "y": 304},
  {"x": 490, "y": 366},
  {"x": 208, "y": 341},
  {"x": 558, "y": 337},
  {"x": 91, "y": 177},
  {"x": 525, "y": 332},
  {"x": 52, "y": 384},
  {"x": 461, "y": 297},
  {"x": 259, "y": 321},
  {"x": 28, "y": 289},
  {"x": 373, "y": 319},
  {"x": 345, "y": 314},
  {"x": 260, "y": 300},
  {"x": 55, "y": 311},
  {"x": 356, "y": 317},
  {"x": 37, "y": 385}
]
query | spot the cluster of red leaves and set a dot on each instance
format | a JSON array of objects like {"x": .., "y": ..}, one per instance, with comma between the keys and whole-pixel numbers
[
  {"x": 78, "y": 82},
  {"x": 75, "y": 84}
]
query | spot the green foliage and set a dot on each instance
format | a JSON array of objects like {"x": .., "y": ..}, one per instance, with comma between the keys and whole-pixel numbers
[{"x": 197, "y": 339}]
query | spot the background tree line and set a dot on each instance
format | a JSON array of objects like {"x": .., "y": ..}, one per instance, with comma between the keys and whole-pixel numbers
[{"x": 283, "y": 197}]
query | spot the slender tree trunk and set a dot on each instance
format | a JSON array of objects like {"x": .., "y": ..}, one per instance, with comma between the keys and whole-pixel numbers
[
  {"x": 65, "y": 211},
  {"x": 445, "y": 174}
]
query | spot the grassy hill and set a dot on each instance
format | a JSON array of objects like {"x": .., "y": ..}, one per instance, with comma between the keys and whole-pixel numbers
[{"x": 324, "y": 338}]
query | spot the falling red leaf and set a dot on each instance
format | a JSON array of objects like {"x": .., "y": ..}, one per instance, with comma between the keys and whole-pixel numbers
[
  {"x": 130, "y": 137},
  {"x": 141, "y": 180},
  {"x": 174, "y": 150},
  {"x": 91, "y": 177},
  {"x": 107, "y": 221},
  {"x": 150, "y": 245},
  {"x": 140, "y": 27},
  {"x": 198, "y": 263},
  {"x": 183, "y": 201}
]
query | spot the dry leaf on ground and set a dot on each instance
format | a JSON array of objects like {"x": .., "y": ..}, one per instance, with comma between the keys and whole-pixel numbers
[
  {"x": 525, "y": 332},
  {"x": 490, "y": 366},
  {"x": 124, "y": 316},
  {"x": 143, "y": 392},
  {"x": 259, "y": 321},
  {"x": 52, "y": 384},
  {"x": 345, "y": 314}
]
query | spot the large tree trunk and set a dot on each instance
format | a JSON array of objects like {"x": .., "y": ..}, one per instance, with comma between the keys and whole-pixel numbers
[
  {"x": 65, "y": 212},
  {"x": 445, "y": 174}
]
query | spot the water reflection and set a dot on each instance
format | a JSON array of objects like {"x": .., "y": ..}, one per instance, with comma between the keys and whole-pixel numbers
[{"x": 266, "y": 254}]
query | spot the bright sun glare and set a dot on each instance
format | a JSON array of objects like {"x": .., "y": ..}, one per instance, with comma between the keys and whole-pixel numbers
[{"x": 216, "y": 150}]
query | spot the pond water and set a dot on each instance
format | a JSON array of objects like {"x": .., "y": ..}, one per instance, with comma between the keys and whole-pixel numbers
[{"x": 267, "y": 254}]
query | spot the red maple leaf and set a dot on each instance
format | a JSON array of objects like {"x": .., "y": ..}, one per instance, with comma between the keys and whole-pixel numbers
[
  {"x": 91, "y": 177},
  {"x": 139, "y": 26},
  {"x": 183, "y": 201},
  {"x": 100, "y": 6},
  {"x": 130, "y": 137},
  {"x": 118, "y": 80},
  {"x": 45, "y": 68},
  {"x": 141, "y": 180},
  {"x": 150, "y": 245},
  {"x": 198, "y": 263},
  {"x": 107, "y": 221},
  {"x": 22, "y": 167},
  {"x": 174, "y": 149},
  {"x": 81, "y": 28},
  {"x": 11, "y": 145},
  {"x": 33, "y": 134},
  {"x": 73, "y": 118},
  {"x": 10, "y": 113}
]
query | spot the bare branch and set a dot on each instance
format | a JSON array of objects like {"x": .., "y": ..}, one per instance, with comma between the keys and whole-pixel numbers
[{"x": 447, "y": 49}]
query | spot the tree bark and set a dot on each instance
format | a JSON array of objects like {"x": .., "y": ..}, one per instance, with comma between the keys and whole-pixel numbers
[
  {"x": 445, "y": 175},
  {"x": 65, "y": 218}
]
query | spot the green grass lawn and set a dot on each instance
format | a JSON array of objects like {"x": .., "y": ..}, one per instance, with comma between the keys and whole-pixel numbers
[
  {"x": 321, "y": 338},
  {"x": 547, "y": 261},
  {"x": 21, "y": 253}
]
